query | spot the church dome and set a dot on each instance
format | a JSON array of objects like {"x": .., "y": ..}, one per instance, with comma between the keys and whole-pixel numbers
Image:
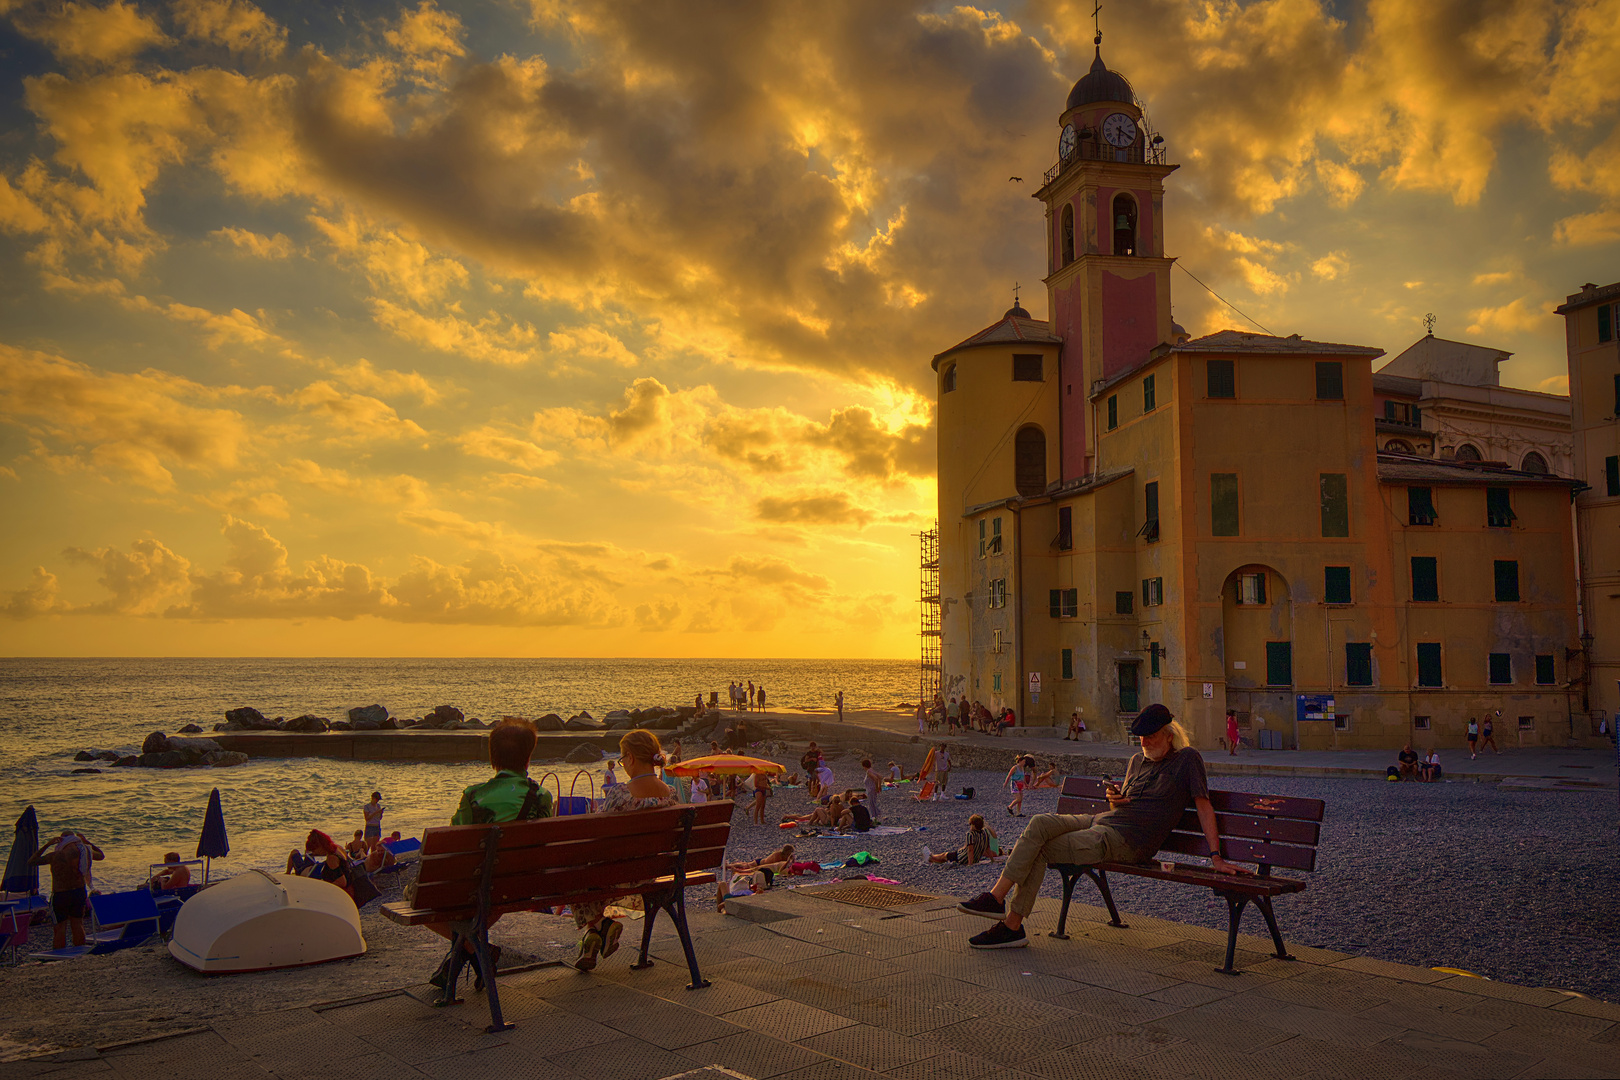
[
  {"x": 1100, "y": 84},
  {"x": 1016, "y": 312}
]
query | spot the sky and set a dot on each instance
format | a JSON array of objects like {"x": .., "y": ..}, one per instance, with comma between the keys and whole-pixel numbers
[{"x": 538, "y": 328}]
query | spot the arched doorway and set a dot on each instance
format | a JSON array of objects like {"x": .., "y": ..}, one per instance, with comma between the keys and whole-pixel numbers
[{"x": 1257, "y": 640}]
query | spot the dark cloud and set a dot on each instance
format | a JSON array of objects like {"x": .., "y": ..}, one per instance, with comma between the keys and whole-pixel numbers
[{"x": 828, "y": 508}]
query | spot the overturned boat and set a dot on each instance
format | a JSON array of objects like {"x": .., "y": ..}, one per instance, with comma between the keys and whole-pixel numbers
[{"x": 259, "y": 921}]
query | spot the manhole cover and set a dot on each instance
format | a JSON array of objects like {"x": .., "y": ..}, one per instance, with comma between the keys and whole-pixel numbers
[{"x": 868, "y": 895}]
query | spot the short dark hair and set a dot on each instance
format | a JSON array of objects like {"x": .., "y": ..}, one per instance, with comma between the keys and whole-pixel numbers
[
  {"x": 376, "y": 794},
  {"x": 511, "y": 744}
]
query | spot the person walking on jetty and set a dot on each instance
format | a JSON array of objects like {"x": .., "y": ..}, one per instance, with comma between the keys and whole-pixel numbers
[
  {"x": 69, "y": 856},
  {"x": 1159, "y": 782},
  {"x": 373, "y": 812},
  {"x": 762, "y": 698},
  {"x": 838, "y": 703}
]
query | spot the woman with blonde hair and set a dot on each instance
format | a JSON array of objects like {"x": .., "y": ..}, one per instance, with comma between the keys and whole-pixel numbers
[{"x": 641, "y": 756}]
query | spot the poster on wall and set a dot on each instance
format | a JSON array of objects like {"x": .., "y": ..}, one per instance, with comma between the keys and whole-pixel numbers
[{"x": 1313, "y": 707}]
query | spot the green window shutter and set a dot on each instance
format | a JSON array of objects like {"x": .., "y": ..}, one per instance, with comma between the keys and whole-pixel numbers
[
  {"x": 1147, "y": 592},
  {"x": 1428, "y": 653},
  {"x": 1498, "y": 508},
  {"x": 1279, "y": 663},
  {"x": 995, "y": 682},
  {"x": 1153, "y": 659},
  {"x": 1425, "y": 579},
  {"x": 1611, "y": 473},
  {"x": 1150, "y": 397},
  {"x": 1055, "y": 602},
  {"x": 1223, "y": 504},
  {"x": 1222, "y": 382},
  {"x": 1124, "y": 603},
  {"x": 1617, "y": 395},
  {"x": 1335, "y": 504},
  {"x": 1420, "y": 506},
  {"x": 1507, "y": 581},
  {"x": 1501, "y": 668},
  {"x": 1336, "y": 585},
  {"x": 1605, "y": 323},
  {"x": 1071, "y": 603},
  {"x": 1068, "y": 663},
  {"x": 1329, "y": 380},
  {"x": 1127, "y": 688},
  {"x": 1544, "y": 669},
  {"x": 981, "y": 538},
  {"x": 1113, "y": 411},
  {"x": 1358, "y": 663}
]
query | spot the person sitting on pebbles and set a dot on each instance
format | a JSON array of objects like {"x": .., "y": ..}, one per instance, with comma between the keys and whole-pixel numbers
[{"x": 975, "y": 849}]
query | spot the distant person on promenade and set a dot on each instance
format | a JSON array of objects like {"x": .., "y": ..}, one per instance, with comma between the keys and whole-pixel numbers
[
  {"x": 1076, "y": 727},
  {"x": 1473, "y": 738},
  {"x": 174, "y": 875},
  {"x": 838, "y": 701},
  {"x": 1231, "y": 732},
  {"x": 1159, "y": 783},
  {"x": 69, "y": 856},
  {"x": 1430, "y": 770},
  {"x": 1409, "y": 762},
  {"x": 750, "y": 694},
  {"x": 1488, "y": 737},
  {"x": 762, "y": 698},
  {"x": 373, "y": 811}
]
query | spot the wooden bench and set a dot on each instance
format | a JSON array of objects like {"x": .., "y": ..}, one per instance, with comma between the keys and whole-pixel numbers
[
  {"x": 1266, "y": 830},
  {"x": 472, "y": 873}
]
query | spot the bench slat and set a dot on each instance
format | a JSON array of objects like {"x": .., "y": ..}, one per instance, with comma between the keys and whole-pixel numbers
[
  {"x": 1277, "y": 830},
  {"x": 1250, "y": 851},
  {"x": 516, "y": 887},
  {"x": 1247, "y": 884},
  {"x": 412, "y": 915},
  {"x": 1231, "y": 802},
  {"x": 450, "y": 839},
  {"x": 568, "y": 853}
]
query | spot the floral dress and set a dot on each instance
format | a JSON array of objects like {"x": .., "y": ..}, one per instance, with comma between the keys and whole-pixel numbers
[{"x": 616, "y": 800}]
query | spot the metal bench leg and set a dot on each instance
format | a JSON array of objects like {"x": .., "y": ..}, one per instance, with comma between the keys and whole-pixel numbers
[
  {"x": 1070, "y": 876},
  {"x": 651, "y": 905},
  {"x": 1101, "y": 878},
  {"x": 458, "y": 957},
  {"x": 486, "y": 964},
  {"x": 1235, "y": 904},
  {"x": 678, "y": 913},
  {"x": 1264, "y": 904}
]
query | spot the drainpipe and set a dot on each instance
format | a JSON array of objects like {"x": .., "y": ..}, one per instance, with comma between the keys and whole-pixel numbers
[{"x": 1018, "y": 611}]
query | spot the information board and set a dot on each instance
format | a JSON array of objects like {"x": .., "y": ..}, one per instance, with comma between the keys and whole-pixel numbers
[{"x": 1313, "y": 706}]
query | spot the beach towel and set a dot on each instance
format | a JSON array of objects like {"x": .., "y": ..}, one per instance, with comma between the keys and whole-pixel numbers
[
  {"x": 876, "y": 830},
  {"x": 84, "y": 858},
  {"x": 862, "y": 858}
]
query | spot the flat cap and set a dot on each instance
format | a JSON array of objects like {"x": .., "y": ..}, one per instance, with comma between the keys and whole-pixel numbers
[{"x": 1150, "y": 720}]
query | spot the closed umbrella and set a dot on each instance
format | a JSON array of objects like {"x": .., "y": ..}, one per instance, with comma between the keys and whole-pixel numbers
[
  {"x": 725, "y": 765},
  {"x": 21, "y": 877},
  {"x": 213, "y": 844}
]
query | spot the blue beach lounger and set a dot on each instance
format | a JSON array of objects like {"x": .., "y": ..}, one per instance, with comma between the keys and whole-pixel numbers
[
  {"x": 123, "y": 920},
  {"x": 402, "y": 850}
]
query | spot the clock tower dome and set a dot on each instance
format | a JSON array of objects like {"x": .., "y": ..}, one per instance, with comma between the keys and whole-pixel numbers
[{"x": 1108, "y": 280}]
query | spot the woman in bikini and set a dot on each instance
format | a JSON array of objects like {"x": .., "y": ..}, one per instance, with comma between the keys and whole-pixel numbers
[
  {"x": 641, "y": 755},
  {"x": 1023, "y": 769}
]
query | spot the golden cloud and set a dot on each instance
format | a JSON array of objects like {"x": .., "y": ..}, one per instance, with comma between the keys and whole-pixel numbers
[
  {"x": 239, "y": 26},
  {"x": 84, "y": 33}
]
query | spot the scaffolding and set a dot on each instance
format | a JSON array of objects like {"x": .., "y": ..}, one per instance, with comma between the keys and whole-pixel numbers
[{"x": 929, "y": 666}]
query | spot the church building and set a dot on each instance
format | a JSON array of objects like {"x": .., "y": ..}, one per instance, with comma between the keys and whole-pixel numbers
[{"x": 1130, "y": 515}]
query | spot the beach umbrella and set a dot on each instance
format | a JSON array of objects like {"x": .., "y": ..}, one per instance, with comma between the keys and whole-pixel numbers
[
  {"x": 20, "y": 876},
  {"x": 725, "y": 765},
  {"x": 213, "y": 844}
]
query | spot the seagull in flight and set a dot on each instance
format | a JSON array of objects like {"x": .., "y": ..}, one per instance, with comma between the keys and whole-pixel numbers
[{"x": 1016, "y": 179}]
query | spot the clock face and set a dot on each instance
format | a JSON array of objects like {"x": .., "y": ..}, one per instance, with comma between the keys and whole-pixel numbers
[
  {"x": 1066, "y": 142},
  {"x": 1119, "y": 130}
]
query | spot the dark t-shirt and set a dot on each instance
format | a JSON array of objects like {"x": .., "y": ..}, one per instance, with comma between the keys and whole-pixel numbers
[
  {"x": 1409, "y": 757},
  {"x": 862, "y": 816},
  {"x": 1159, "y": 791}
]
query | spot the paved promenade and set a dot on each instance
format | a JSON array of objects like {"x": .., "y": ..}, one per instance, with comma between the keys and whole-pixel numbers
[{"x": 809, "y": 987}]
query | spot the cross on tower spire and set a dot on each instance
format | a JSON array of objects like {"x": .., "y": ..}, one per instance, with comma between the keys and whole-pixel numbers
[{"x": 1096, "y": 18}]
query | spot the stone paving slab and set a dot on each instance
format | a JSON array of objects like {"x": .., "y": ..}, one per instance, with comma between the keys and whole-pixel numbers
[{"x": 806, "y": 988}]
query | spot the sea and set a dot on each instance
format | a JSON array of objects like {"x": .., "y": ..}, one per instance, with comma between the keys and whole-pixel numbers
[{"x": 52, "y": 708}]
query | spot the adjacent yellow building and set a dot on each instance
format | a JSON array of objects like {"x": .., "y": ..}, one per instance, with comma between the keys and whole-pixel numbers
[{"x": 1127, "y": 515}]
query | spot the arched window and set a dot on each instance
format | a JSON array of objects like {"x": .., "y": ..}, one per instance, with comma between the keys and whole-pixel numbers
[
  {"x": 1124, "y": 225},
  {"x": 1534, "y": 462},
  {"x": 947, "y": 379},
  {"x": 1066, "y": 229},
  {"x": 1469, "y": 452},
  {"x": 1029, "y": 461},
  {"x": 1398, "y": 446}
]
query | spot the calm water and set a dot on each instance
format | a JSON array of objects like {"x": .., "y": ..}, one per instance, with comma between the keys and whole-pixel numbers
[{"x": 51, "y": 708}]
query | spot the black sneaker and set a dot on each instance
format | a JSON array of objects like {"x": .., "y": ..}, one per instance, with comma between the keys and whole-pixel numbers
[
  {"x": 984, "y": 905},
  {"x": 1000, "y": 936}
]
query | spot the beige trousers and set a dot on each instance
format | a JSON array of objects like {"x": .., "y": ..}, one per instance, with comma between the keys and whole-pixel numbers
[{"x": 1058, "y": 838}]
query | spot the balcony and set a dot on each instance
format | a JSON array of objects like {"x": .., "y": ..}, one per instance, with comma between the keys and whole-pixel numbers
[{"x": 1092, "y": 149}]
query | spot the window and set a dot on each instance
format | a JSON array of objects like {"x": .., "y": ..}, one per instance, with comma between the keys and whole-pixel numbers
[
  {"x": 982, "y": 542},
  {"x": 947, "y": 379},
  {"x": 1397, "y": 446},
  {"x": 1617, "y": 395},
  {"x": 1545, "y": 675},
  {"x": 1222, "y": 381},
  {"x": 1420, "y": 506},
  {"x": 1124, "y": 225},
  {"x": 994, "y": 545},
  {"x": 1469, "y": 452},
  {"x": 1605, "y": 324},
  {"x": 1535, "y": 463},
  {"x": 1335, "y": 504},
  {"x": 1223, "y": 504},
  {"x": 1341, "y": 722},
  {"x": 1358, "y": 663},
  {"x": 1154, "y": 652},
  {"x": 1027, "y": 368},
  {"x": 1279, "y": 663},
  {"x": 1499, "y": 508},
  {"x": 1113, "y": 412},
  {"x": 1429, "y": 663},
  {"x": 1067, "y": 666},
  {"x": 1251, "y": 588},
  {"x": 1150, "y": 515},
  {"x": 998, "y": 592},
  {"x": 1420, "y": 723},
  {"x": 1507, "y": 581},
  {"x": 1336, "y": 585},
  {"x": 1611, "y": 473},
  {"x": 1065, "y": 536},
  {"x": 995, "y": 682},
  {"x": 1400, "y": 412},
  {"x": 1124, "y": 603},
  {"x": 1150, "y": 398},
  {"x": 1527, "y": 723},
  {"x": 1501, "y": 668},
  {"x": 1329, "y": 380},
  {"x": 1066, "y": 235},
  {"x": 1065, "y": 603},
  {"x": 1425, "y": 579},
  {"x": 1152, "y": 591},
  {"x": 1029, "y": 460},
  {"x": 1128, "y": 686}
]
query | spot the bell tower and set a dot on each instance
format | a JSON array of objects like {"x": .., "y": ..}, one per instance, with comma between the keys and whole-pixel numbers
[{"x": 1108, "y": 280}]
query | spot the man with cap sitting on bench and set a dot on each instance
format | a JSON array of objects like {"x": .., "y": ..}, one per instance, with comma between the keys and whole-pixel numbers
[{"x": 1159, "y": 782}]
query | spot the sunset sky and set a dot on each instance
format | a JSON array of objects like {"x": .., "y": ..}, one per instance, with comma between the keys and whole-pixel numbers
[{"x": 603, "y": 329}]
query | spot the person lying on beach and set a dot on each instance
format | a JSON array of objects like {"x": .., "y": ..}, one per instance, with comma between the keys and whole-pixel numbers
[
  {"x": 783, "y": 854},
  {"x": 172, "y": 877},
  {"x": 746, "y": 883},
  {"x": 832, "y": 816},
  {"x": 975, "y": 849}
]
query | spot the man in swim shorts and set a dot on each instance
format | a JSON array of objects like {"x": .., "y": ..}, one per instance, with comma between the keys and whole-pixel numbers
[{"x": 69, "y": 857}]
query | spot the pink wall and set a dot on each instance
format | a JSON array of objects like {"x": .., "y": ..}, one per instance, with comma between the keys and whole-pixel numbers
[
  {"x": 1072, "y": 406},
  {"x": 1130, "y": 322}
]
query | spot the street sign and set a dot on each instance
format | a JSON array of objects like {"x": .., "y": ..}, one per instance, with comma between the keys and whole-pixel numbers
[{"x": 1034, "y": 682}]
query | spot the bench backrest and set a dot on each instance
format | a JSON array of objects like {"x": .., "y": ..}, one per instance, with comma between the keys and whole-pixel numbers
[
  {"x": 1268, "y": 830},
  {"x": 554, "y": 857}
]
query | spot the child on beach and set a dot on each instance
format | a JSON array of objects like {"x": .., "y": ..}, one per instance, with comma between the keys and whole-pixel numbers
[
  {"x": 895, "y": 774},
  {"x": 975, "y": 849},
  {"x": 1023, "y": 769}
]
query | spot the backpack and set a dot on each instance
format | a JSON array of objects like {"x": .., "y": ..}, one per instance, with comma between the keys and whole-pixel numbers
[{"x": 1392, "y": 773}]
